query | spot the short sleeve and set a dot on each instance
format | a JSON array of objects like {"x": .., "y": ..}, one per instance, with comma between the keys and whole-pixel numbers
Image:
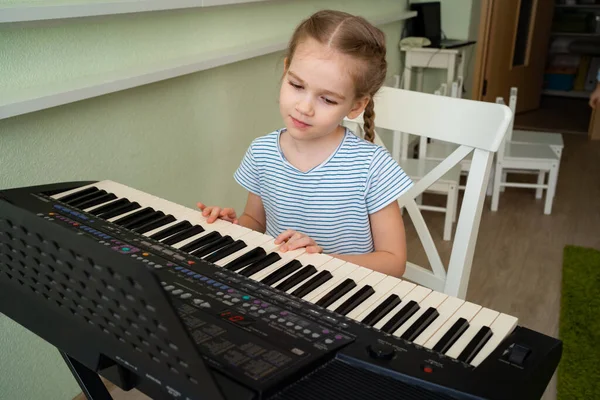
[
  {"x": 386, "y": 181},
  {"x": 247, "y": 173}
]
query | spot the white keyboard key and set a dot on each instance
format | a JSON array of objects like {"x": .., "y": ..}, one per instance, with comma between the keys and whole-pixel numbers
[
  {"x": 417, "y": 294},
  {"x": 285, "y": 258},
  {"x": 502, "y": 326},
  {"x": 320, "y": 265},
  {"x": 381, "y": 291},
  {"x": 484, "y": 317},
  {"x": 434, "y": 299},
  {"x": 252, "y": 242},
  {"x": 339, "y": 274},
  {"x": 372, "y": 279},
  {"x": 467, "y": 311},
  {"x": 445, "y": 311}
]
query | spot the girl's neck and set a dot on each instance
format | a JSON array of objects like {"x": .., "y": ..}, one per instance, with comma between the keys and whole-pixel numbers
[{"x": 307, "y": 154}]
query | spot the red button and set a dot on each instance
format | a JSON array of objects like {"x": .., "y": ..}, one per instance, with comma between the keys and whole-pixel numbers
[
  {"x": 428, "y": 369},
  {"x": 191, "y": 262}
]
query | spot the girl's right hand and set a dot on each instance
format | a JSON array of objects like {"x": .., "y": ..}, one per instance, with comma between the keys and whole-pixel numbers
[{"x": 212, "y": 213}]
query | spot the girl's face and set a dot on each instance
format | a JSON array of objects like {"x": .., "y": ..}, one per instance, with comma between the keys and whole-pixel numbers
[{"x": 317, "y": 91}]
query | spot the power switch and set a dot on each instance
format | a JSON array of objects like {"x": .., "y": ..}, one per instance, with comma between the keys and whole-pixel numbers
[{"x": 518, "y": 354}]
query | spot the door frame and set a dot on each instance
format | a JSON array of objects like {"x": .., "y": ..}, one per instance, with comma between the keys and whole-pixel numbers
[{"x": 483, "y": 34}]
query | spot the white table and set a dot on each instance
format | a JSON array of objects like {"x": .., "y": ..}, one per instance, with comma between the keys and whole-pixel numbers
[{"x": 426, "y": 57}]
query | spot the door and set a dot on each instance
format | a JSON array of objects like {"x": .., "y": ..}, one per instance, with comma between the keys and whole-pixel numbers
[
  {"x": 594, "y": 127},
  {"x": 514, "y": 38}
]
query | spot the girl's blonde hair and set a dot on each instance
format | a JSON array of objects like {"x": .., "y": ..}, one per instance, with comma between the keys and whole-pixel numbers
[{"x": 354, "y": 36}]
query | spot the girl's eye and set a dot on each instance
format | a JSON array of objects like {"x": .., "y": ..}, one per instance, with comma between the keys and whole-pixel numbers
[
  {"x": 295, "y": 86},
  {"x": 329, "y": 101}
]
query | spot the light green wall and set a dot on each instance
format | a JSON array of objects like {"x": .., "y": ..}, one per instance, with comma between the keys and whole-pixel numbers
[
  {"x": 179, "y": 139},
  {"x": 460, "y": 20}
]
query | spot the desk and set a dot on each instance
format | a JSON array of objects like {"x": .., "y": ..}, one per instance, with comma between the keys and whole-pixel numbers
[{"x": 427, "y": 57}]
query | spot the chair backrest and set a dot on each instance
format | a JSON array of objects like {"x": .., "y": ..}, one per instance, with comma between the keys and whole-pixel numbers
[
  {"x": 512, "y": 104},
  {"x": 477, "y": 127}
]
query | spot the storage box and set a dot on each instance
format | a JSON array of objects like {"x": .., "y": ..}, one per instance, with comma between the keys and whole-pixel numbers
[{"x": 553, "y": 81}]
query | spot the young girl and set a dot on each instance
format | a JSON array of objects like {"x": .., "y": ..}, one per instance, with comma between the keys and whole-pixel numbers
[{"x": 314, "y": 183}]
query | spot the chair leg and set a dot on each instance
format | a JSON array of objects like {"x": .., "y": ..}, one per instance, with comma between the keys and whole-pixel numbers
[
  {"x": 540, "y": 181},
  {"x": 451, "y": 201},
  {"x": 496, "y": 190},
  {"x": 552, "y": 179},
  {"x": 490, "y": 184},
  {"x": 504, "y": 179}
]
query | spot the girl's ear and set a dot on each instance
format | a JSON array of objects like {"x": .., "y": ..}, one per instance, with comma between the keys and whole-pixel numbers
[{"x": 358, "y": 107}]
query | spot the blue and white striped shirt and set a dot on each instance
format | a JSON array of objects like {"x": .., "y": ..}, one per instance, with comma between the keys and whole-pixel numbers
[{"x": 331, "y": 202}]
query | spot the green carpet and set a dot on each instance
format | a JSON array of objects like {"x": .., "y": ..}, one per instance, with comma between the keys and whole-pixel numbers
[{"x": 579, "y": 329}]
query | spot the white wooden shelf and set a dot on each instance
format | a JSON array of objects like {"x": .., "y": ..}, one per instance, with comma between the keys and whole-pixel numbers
[
  {"x": 57, "y": 9},
  {"x": 580, "y": 94},
  {"x": 27, "y": 100}
]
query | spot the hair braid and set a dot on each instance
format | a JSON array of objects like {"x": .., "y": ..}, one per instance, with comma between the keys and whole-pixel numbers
[{"x": 369, "y": 121}]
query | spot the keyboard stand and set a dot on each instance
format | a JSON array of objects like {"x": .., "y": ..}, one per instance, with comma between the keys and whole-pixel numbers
[
  {"x": 90, "y": 383},
  {"x": 99, "y": 311}
]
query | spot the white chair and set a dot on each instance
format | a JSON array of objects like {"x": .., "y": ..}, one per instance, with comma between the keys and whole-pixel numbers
[
  {"x": 552, "y": 139},
  {"x": 416, "y": 169},
  {"x": 438, "y": 150},
  {"x": 477, "y": 128},
  {"x": 525, "y": 158}
]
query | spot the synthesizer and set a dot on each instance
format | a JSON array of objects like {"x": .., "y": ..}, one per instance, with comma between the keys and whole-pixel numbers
[{"x": 268, "y": 324}]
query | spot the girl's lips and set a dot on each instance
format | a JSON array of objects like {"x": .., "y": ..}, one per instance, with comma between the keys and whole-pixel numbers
[{"x": 299, "y": 124}]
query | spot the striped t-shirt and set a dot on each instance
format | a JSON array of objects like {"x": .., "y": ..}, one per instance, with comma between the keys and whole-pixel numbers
[{"x": 331, "y": 202}]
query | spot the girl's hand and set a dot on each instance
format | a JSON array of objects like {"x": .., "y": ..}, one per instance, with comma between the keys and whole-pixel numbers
[
  {"x": 212, "y": 213},
  {"x": 295, "y": 240}
]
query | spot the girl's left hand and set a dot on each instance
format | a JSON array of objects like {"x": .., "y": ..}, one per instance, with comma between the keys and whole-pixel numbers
[{"x": 296, "y": 240}]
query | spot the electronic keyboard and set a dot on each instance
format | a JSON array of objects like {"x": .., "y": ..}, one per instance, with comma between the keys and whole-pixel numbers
[{"x": 271, "y": 324}]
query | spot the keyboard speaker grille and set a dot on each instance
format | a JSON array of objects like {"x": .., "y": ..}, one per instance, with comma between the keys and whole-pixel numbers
[{"x": 339, "y": 380}]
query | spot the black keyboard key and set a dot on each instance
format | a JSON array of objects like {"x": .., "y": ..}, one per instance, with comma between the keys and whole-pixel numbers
[
  {"x": 382, "y": 310},
  {"x": 214, "y": 246},
  {"x": 459, "y": 327},
  {"x": 282, "y": 272},
  {"x": 355, "y": 300},
  {"x": 141, "y": 221},
  {"x": 226, "y": 251},
  {"x": 96, "y": 201},
  {"x": 420, "y": 324},
  {"x": 134, "y": 216},
  {"x": 201, "y": 242},
  {"x": 336, "y": 293},
  {"x": 82, "y": 200},
  {"x": 312, "y": 284},
  {"x": 109, "y": 207},
  {"x": 119, "y": 210},
  {"x": 171, "y": 230},
  {"x": 401, "y": 317},
  {"x": 81, "y": 193},
  {"x": 244, "y": 260},
  {"x": 261, "y": 264},
  {"x": 186, "y": 234},
  {"x": 297, "y": 278},
  {"x": 149, "y": 226},
  {"x": 475, "y": 345}
]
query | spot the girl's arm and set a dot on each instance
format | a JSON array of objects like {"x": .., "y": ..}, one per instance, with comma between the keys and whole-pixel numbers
[
  {"x": 389, "y": 239},
  {"x": 254, "y": 216}
]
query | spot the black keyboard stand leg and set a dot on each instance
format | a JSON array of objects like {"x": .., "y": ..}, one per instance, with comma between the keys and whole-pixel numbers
[{"x": 88, "y": 380}]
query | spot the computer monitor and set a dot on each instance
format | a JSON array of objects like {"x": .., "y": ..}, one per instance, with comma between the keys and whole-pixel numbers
[{"x": 428, "y": 22}]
